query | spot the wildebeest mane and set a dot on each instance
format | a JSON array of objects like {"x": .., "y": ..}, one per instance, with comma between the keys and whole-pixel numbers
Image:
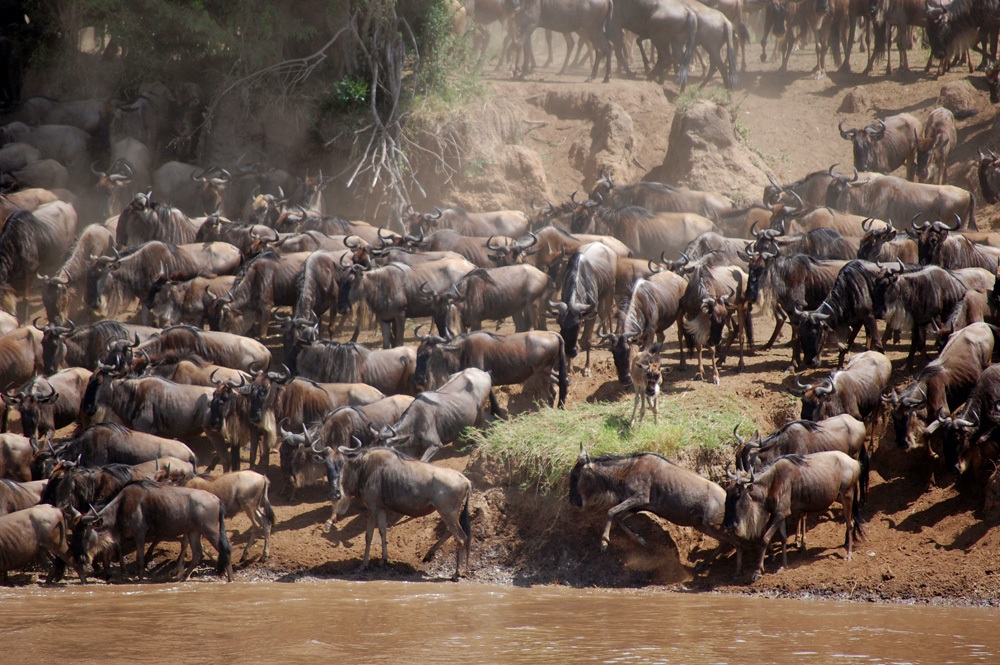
[{"x": 25, "y": 242}]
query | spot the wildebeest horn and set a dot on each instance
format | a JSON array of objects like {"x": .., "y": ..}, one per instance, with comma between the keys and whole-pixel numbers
[
  {"x": 348, "y": 244},
  {"x": 439, "y": 214},
  {"x": 848, "y": 134},
  {"x": 211, "y": 377},
  {"x": 534, "y": 241},
  {"x": 739, "y": 438},
  {"x": 824, "y": 388},
  {"x": 918, "y": 227},
  {"x": 654, "y": 268},
  {"x": 803, "y": 386},
  {"x": 93, "y": 169},
  {"x": 416, "y": 332},
  {"x": 234, "y": 385},
  {"x": 729, "y": 472},
  {"x": 958, "y": 224},
  {"x": 572, "y": 197},
  {"x": 583, "y": 457},
  {"x": 489, "y": 244},
  {"x": 880, "y": 132},
  {"x": 866, "y": 224},
  {"x": 753, "y": 229},
  {"x": 773, "y": 181}
]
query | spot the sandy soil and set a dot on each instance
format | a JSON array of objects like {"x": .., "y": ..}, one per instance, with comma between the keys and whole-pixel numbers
[{"x": 924, "y": 542}]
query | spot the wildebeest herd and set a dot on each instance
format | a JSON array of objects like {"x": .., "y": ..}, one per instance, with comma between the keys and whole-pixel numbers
[{"x": 205, "y": 306}]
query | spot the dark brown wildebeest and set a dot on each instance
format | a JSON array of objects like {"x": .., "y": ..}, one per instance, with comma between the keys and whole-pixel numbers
[
  {"x": 27, "y": 533},
  {"x": 144, "y": 220},
  {"x": 20, "y": 360},
  {"x": 267, "y": 281},
  {"x": 145, "y": 510},
  {"x": 804, "y": 437},
  {"x": 588, "y": 292},
  {"x": 74, "y": 487},
  {"x": 803, "y": 218},
  {"x": 30, "y": 243},
  {"x": 15, "y": 496},
  {"x": 397, "y": 292},
  {"x": 939, "y": 245},
  {"x": 173, "y": 303},
  {"x": 844, "y": 312},
  {"x": 646, "y": 482},
  {"x": 238, "y": 234},
  {"x": 510, "y": 223},
  {"x": 588, "y": 18},
  {"x": 318, "y": 287},
  {"x": 483, "y": 252},
  {"x": 789, "y": 284},
  {"x": 934, "y": 147},
  {"x": 671, "y": 26},
  {"x": 70, "y": 279},
  {"x": 301, "y": 465},
  {"x": 520, "y": 358},
  {"x": 953, "y": 27},
  {"x": 811, "y": 189},
  {"x": 913, "y": 299},
  {"x": 240, "y": 490},
  {"x": 653, "y": 305},
  {"x": 993, "y": 80},
  {"x": 888, "y": 197},
  {"x": 492, "y": 295},
  {"x": 856, "y": 390},
  {"x": 386, "y": 370},
  {"x": 943, "y": 385},
  {"x": 438, "y": 417},
  {"x": 969, "y": 439},
  {"x": 660, "y": 197},
  {"x": 114, "y": 282},
  {"x": 713, "y": 299},
  {"x": 157, "y": 406},
  {"x": 72, "y": 346},
  {"x": 107, "y": 443},
  {"x": 382, "y": 479},
  {"x": 184, "y": 342},
  {"x": 885, "y": 145},
  {"x": 989, "y": 176},
  {"x": 758, "y": 505},
  {"x": 49, "y": 403},
  {"x": 193, "y": 372},
  {"x": 885, "y": 245}
]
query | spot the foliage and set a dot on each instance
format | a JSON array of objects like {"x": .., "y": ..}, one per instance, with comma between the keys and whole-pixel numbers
[{"x": 543, "y": 446}]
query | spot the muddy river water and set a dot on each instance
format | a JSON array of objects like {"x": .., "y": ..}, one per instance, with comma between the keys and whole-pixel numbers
[{"x": 402, "y": 623}]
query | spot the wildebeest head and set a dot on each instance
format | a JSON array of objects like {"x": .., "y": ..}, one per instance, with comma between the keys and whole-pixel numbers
[
  {"x": 119, "y": 354},
  {"x": 100, "y": 377},
  {"x": 739, "y": 501},
  {"x": 815, "y": 398},
  {"x": 224, "y": 399},
  {"x": 416, "y": 222},
  {"x": 925, "y": 149},
  {"x": 212, "y": 182},
  {"x": 513, "y": 253},
  {"x": 38, "y": 393},
  {"x": 582, "y": 220},
  {"x": 267, "y": 208},
  {"x": 758, "y": 266},
  {"x": 746, "y": 451},
  {"x": 426, "y": 352},
  {"x": 55, "y": 294},
  {"x": 222, "y": 314},
  {"x": 939, "y": 31},
  {"x": 993, "y": 80},
  {"x": 717, "y": 310},
  {"x": 119, "y": 176},
  {"x": 570, "y": 319},
  {"x": 621, "y": 352},
  {"x": 905, "y": 409},
  {"x": 92, "y": 535},
  {"x": 931, "y": 238},
  {"x": 989, "y": 176},
  {"x": 813, "y": 330},
  {"x": 885, "y": 279},
  {"x": 53, "y": 345},
  {"x": 839, "y": 187},
  {"x": 864, "y": 141},
  {"x": 262, "y": 391},
  {"x": 348, "y": 291},
  {"x": 955, "y": 433},
  {"x": 647, "y": 369},
  {"x": 98, "y": 273},
  {"x": 603, "y": 187},
  {"x": 874, "y": 239},
  {"x": 300, "y": 466}
]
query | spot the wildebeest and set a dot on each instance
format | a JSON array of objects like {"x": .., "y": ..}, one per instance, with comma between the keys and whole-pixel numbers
[
  {"x": 70, "y": 278},
  {"x": 938, "y": 244},
  {"x": 955, "y": 26},
  {"x": 653, "y": 305},
  {"x": 856, "y": 390},
  {"x": 713, "y": 299},
  {"x": 885, "y": 245},
  {"x": 968, "y": 436},
  {"x": 647, "y": 376},
  {"x": 267, "y": 281},
  {"x": 397, "y": 292},
  {"x": 588, "y": 291},
  {"x": 49, "y": 403},
  {"x": 20, "y": 360},
  {"x": 716, "y": 32},
  {"x": 33, "y": 242},
  {"x": 387, "y": 370},
  {"x": 671, "y": 26},
  {"x": 935, "y": 146},
  {"x": 587, "y": 18},
  {"x": 83, "y": 346},
  {"x": 758, "y": 504},
  {"x": 647, "y": 234},
  {"x": 536, "y": 357},
  {"x": 513, "y": 291},
  {"x": 888, "y": 197},
  {"x": 438, "y": 417},
  {"x": 17, "y": 457},
  {"x": 989, "y": 176},
  {"x": 944, "y": 384},
  {"x": 27, "y": 533},
  {"x": 913, "y": 299},
  {"x": 804, "y": 437},
  {"x": 107, "y": 443},
  {"x": 144, "y": 220},
  {"x": 186, "y": 342},
  {"x": 114, "y": 282},
  {"x": 660, "y": 197},
  {"x": 15, "y": 496},
  {"x": 173, "y": 303},
  {"x": 240, "y": 490},
  {"x": 885, "y": 145},
  {"x": 648, "y": 482},
  {"x": 510, "y": 223},
  {"x": 145, "y": 510}
]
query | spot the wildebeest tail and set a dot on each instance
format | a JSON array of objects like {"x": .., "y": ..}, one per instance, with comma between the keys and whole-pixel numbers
[
  {"x": 691, "y": 25},
  {"x": 859, "y": 521},
  {"x": 225, "y": 549},
  {"x": 265, "y": 503},
  {"x": 863, "y": 479},
  {"x": 882, "y": 42},
  {"x": 743, "y": 32},
  {"x": 733, "y": 77},
  {"x": 563, "y": 374},
  {"x": 972, "y": 212},
  {"x": 465, "y": 521}
]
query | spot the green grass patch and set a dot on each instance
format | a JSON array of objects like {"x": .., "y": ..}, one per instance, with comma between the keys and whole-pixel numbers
[{"x": 541, "y": 447}]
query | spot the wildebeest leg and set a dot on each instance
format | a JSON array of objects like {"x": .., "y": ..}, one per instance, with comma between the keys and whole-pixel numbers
[
  {"x": 256, "y": 526},
  {"x": 430, "y": 452},
  {"x": 369, "y": 532},
  {"x": 700, "y": 376},
  {"x": 569, "y": 51},
  {"x": 588, "y": 332},
  {"x": 140, "y": 558},
  {"x": 915, "y": 336},
  {"x": 779, "y": 323},
  {"x": 626, "y": 506},
  {"x": 635, "y": 406},
  {"x": 382, "y": 535},
  {"x": 179, "y": 568},
  {"x": 4, "y": 415},
  {"x": 194, "y": 540},
  {"x": 777, "y": 522},
  {"x": 680, "y": 340},
  {"x": 715, "y": 367}
]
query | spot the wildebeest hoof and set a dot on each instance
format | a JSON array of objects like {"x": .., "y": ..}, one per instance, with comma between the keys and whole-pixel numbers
[
  {"x": 640, "y": 540},
  {"x": 327, "y": 527},
  {"x": 604, "y": 545},
  {"x": 586, "y": 372},
  {"x": 756, "y": 577}
]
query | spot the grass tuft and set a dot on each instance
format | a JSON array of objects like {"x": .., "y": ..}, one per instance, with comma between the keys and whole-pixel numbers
[{"x": 541, "y": 447}]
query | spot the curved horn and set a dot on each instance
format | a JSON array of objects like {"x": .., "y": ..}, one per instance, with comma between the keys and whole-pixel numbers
[{"x": 739, "y": 438}]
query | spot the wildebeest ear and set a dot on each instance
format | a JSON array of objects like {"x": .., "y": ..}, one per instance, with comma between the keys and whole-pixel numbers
[{"x": 584, "y": 457}]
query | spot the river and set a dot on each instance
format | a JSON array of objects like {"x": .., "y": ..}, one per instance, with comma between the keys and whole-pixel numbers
[{"x": 402, "y": 623}]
